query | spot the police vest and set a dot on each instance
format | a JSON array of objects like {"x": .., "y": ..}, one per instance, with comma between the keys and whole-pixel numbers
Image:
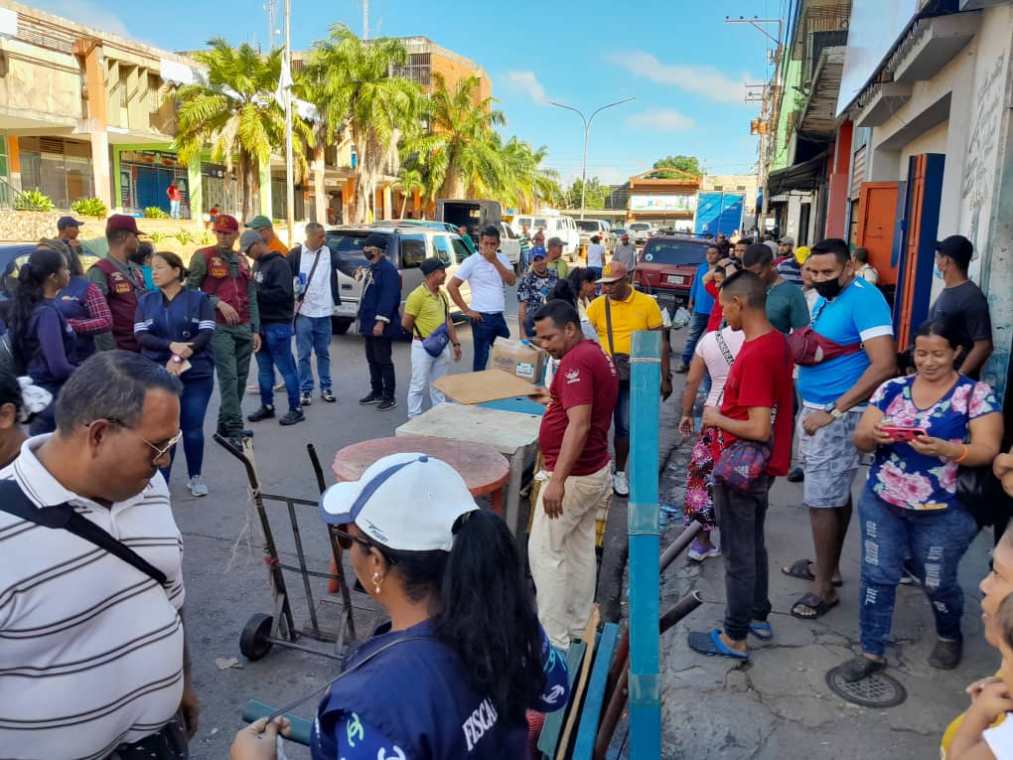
[
  {"x": 222, "y": 284},
  {"x": 417, "y": 695},
  {"x": 71, "y": 304},
  {"x": 121, "y": 295}
]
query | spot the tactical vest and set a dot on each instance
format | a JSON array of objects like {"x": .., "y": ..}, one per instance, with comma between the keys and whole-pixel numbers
[
  {"x": 220, "y": 282},
  {"x": 121, "y": 295}
]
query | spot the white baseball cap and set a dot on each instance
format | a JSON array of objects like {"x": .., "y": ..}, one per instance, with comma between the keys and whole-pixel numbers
[{"x": 406, "y": 501}]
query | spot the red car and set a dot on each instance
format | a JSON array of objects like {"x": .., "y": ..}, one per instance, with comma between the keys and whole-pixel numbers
[{"x": 668, "y": 265}]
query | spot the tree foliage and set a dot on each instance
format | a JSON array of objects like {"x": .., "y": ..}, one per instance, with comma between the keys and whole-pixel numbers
[
  {"x": 594, "y": 196},
  {"x": 687, "y": 164}
]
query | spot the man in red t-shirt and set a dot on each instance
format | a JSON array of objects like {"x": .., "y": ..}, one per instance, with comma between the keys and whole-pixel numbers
[
  {"x": 574, "y": 443},
  {"x": 757, "y": 406}
]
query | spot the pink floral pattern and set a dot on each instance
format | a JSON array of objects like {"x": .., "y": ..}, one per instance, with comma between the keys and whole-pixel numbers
[{"x": 900, "y": 475}]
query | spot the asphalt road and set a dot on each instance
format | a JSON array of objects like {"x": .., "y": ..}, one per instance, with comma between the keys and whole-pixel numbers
[{"x": 227, "y": 579}]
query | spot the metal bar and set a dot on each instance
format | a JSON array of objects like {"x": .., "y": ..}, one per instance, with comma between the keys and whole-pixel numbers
[
  {"x": 644, "y": 543},
  {"x": 311, "y": 573},
  {"x": 292, "y": 645},
  {"x": 303, "y": 570},
  {"x": 678, "y": 546}
]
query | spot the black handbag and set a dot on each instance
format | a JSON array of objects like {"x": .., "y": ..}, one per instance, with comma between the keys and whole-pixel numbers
[
  {"x": 981, "y": 493},
  {"x": 621, "y": 361}
]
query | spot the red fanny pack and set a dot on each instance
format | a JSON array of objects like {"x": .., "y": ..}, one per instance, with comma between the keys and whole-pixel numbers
[{"x": 808, "y": 347}]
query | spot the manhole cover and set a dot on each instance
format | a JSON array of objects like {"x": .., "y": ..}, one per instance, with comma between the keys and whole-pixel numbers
[{"x": 878, "y": 690}]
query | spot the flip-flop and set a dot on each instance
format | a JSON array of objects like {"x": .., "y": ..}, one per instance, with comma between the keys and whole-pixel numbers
[
  {"x": 800, "y": 569},
  {"x": 711, "y": 645},
  {"x": 761, "y": 630},
  {"x": 817, "y": 604}
]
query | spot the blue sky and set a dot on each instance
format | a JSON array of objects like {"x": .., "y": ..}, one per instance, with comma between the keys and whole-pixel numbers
[{"x": 684, "y": 65}]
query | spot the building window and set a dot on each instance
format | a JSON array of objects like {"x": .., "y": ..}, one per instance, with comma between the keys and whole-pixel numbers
[{"x": 59, "y": 168}]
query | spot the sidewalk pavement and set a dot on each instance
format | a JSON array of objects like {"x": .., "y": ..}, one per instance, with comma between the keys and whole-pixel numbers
[{"x": 778, "y": 705}]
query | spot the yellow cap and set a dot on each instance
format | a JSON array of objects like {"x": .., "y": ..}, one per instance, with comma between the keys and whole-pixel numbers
[{"x": 802, "y": 253}]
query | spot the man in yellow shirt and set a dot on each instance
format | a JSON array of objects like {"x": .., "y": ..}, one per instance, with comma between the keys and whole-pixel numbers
[
  {"x": 628, "y": 311},
  {"x": 427, "y": 311},
  {"x": 555, "y": 258}
]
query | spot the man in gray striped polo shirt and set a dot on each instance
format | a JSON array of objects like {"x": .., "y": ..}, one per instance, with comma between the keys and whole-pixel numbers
[{"x": 92, "y": 648}]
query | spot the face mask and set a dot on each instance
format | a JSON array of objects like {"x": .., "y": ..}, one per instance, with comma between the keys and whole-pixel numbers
[
  {"x": 828, "y": 289},
  {"x": 937, "y": 272}
]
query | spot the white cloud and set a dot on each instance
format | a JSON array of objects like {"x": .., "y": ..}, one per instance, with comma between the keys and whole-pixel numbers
[
  {"x": 527, "y": 83},
  {"x": 86, "y": 12},
  {"x": 661, "y": 120},
  {"x": 701, "y": 80}
]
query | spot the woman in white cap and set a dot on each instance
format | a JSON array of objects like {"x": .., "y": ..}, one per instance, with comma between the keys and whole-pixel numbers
[{"x": 463, "y": 656}]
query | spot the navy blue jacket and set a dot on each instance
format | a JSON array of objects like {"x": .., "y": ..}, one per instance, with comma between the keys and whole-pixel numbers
[
  {"x": 381, "y": 297},
  {"x": 187, "y": 318}
]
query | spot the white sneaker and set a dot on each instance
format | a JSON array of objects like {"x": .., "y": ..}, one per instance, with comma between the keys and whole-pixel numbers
[
  {"x": 620, "y": 484},
  {"x": 197, "y": 486}
]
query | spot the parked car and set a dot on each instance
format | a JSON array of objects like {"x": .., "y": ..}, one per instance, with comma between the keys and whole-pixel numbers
[
  {"x": 510, "y": 245},
  {"x": 668, "y": 265},
  {"x": 408, "y": 245},
  {"x": 554, "y": 225},
  {"x": 639, "y": 232},
  {"x": 590, "y": 227}
]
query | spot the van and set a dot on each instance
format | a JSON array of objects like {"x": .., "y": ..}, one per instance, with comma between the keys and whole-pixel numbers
[{"x": 554, "y": 225}]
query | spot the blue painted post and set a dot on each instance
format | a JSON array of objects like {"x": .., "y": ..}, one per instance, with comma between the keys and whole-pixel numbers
[{"x": 645, "y": 571}]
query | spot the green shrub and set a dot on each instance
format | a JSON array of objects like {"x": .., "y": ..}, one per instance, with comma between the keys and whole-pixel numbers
[
  {"x": 33, "y": 200},
  {"x": 156, "y": 237},
  {"x": 90, "y": 207},
  {"x": 184, "y": 237},
  {"x": 206, "y": 238},
  {"x": 154, "y": 212}
]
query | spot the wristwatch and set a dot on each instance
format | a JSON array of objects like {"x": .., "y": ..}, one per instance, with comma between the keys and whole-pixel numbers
[{"x": 836, "y": 413}]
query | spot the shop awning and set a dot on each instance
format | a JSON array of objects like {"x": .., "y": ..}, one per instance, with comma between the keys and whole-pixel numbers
[{"x": 804, "y": 176}]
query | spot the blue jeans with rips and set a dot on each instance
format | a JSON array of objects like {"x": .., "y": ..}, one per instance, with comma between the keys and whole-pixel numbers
[
  {"x": 934, "y": 541},
  {"x": 276, "y": 351},
  {"x": 313, "y": 335}
]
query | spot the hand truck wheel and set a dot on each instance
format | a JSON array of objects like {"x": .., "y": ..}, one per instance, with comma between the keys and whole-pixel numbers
[{"x": 254, "y": 641}]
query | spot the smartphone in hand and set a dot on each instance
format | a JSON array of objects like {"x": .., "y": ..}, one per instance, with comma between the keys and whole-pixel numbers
[{"x": 902, "y": 433}]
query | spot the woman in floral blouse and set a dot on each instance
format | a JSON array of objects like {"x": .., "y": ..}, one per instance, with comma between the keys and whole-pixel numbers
[{"x": 910, "y": 507}]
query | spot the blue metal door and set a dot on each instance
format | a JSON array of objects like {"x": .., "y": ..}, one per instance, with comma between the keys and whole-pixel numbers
[{"x": 152, "y": 182}]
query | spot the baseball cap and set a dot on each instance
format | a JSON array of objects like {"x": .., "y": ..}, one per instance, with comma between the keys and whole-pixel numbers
[
  {"x": 802, "y": 254},
  {"x": 958, "y": 248},
  {"x": 787, "y": 240},
  {"x": 555, "y": 241},
  {"x": 122, "y": 222},
  {"x": 537, "y": 253},
  {"x": 375, "y": 240},
  {"x": 248, "y": 238},
  {"x": 259, "y": 222},
  {"x": 407, "y": 502},
  {"x": 226, "y": 223},
  {"x": 614, "y": 271},
  {"x": 430, "y": 265},
  {"x": 67, "y": 221}
]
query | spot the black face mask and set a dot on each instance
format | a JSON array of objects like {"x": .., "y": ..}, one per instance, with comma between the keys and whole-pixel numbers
[{"x": 829, "y": 288}]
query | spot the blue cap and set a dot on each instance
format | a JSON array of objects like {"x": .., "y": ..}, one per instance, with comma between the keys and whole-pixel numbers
[
  {"x": 67, "y": 221},
  {"x": 537, "y": 253}
]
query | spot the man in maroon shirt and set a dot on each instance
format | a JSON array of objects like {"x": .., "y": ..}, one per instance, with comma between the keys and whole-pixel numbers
[
  {"x": 574, "y": 443},
  {"x": 757, "y": 406}
]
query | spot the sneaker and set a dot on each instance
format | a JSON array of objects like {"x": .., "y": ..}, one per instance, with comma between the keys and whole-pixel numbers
[
  {"x": 946, "y": 654},
  {"x": 620, "y": 484},
  {"x": 305, "y": 399},
  {"x": 294, "y": 416},
  {"x": 328, "y": 396},
  {"x": 700, "y": 550},
  {"x": 387, "y": 403},
  {"x": 197, "y": 486},
  {"x": 264, "y": 413},
  {"x": 370, "y": 398}
]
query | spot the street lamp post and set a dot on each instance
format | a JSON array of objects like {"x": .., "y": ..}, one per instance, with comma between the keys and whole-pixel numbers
[{"x": 587, "y": 134}]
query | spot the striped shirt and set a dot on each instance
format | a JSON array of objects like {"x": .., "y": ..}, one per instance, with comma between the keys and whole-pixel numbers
[{"x": 91, "y": 649}]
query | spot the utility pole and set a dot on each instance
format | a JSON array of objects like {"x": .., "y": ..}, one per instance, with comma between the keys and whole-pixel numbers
[
  {"x": 766, "y": 109},
  {"x": 271, "y": 7},
  {"x": 287, "y": 83},
  {"x": 587, "y": 134},
  {"x": 365, "y": 19}
]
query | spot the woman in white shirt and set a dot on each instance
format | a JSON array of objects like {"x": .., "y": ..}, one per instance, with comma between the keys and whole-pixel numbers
[{"x": 595, "y": 256}]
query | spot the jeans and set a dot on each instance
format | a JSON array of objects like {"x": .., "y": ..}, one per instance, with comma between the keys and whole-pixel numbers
[
  {"x": 276, "y": 351},
  {"x": 313, "y": 334},
  {"x": 193, "y": 406},
  {"x": 743, "y": 546},
  {"x": 381, "y": 366},
  {"x": 232, "y": 346},
  {"x": 425, "y": 370},
  {"x": 174, "y": 209},
  {"x": 697, "y": 325},
  {"x": 621, "y": 413},
  {"x": 484, "y": 333},
  {"x": 933, "y": 541}
]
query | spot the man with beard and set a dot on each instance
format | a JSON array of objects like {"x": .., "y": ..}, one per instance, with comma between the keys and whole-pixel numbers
[
  {"x": 119, "y": 277},
  {"x": 225, "y": 276}
]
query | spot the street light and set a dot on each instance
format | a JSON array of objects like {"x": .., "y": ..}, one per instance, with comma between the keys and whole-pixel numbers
[{"x": 587, "y": 133}]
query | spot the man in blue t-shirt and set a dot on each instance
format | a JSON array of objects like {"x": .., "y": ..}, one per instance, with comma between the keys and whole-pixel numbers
[
  {"x": 700, "y": 304},
  {"x": 851, "y": 313}
]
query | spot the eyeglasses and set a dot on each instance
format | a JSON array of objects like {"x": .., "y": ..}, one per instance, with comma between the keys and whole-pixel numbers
[
  {"x": 160, "y": 451},
  {"x": 346, "y": 539}
]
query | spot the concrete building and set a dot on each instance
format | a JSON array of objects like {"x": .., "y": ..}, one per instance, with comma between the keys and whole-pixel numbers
[{"x": 663, "y": 196}]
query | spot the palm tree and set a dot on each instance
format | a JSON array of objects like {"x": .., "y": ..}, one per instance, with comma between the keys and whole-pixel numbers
[
  {"x": 408, "y": 182},
  {"x": 234, "y": 110},
  {"x": 309, "y": 86},
  {"x": 525, "y": 183},
  {"x": 354, "y": 89}
]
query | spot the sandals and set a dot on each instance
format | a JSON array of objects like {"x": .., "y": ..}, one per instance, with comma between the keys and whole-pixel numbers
[
  {"x": 859, "y": 668},
  {"x": 800, "y": 569},
  {"x": 711, "y": 645},
  {"x": 762, "y": 630},
  {"x": 814, "y": 602}
]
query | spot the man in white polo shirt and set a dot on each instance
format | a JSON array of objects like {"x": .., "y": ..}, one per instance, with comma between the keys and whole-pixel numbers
[
  {"x": 93, "y": 662},
  {"x": 487, "y": 273}
]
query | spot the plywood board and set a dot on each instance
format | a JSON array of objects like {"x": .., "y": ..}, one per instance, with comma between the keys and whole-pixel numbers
[
  {"x": 488, "y": 385},
  {"x": 591, "y": 711},
  {"x": 577, "y": 694}
]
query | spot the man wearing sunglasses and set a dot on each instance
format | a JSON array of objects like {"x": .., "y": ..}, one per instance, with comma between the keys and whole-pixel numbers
[{"x": 98, "y": 575}]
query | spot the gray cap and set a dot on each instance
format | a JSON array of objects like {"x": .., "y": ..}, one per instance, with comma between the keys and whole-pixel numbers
[
  {"x": 787, "y": 240},
  {"x": 248, "y": 238},
  {"x": 555, "y": 241}
]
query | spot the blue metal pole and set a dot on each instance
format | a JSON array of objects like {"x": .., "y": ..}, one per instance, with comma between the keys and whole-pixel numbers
[{"x": 645, "y": 571}]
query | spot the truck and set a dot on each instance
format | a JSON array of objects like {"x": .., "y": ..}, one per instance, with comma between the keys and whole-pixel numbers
[
  {"x": 718, "y": 213},
  {"x": 473, "y": 214}
]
